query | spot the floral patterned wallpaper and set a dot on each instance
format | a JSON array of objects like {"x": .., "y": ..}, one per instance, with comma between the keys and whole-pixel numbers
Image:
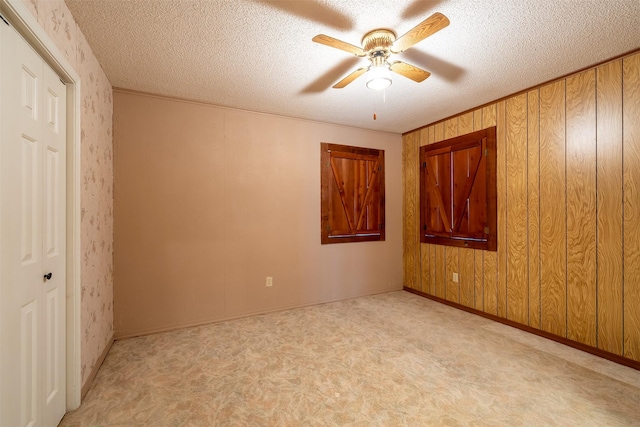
[{"x": 96, "y": 197}]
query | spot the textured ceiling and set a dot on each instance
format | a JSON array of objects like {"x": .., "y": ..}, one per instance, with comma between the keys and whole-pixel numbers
[{"x": 258, "y": 54}]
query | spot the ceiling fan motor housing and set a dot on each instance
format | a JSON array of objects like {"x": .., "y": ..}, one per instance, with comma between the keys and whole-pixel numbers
[{"x": 377, "y": 44}]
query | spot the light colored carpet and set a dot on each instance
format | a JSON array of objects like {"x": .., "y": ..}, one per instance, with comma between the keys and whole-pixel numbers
[{"x": 393, "y": 359}]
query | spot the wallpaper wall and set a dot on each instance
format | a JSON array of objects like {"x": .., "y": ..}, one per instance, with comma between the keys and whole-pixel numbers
[{"x": 96, "y": 180}]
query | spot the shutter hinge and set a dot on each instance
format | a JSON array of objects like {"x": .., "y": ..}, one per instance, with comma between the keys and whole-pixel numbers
[
  {"x": 424, "y": 164},
  {"x": 379, "y": 168},
  {"x": 486, "y": 230},
  {"x": 3, "y": 19},
  {"x": 424, "y": 227},
  {"x": 486, "y": 152}
]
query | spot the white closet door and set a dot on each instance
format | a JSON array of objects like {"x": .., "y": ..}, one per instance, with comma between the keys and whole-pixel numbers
[
  {"x": 54, "y": 220},
  {"x": 32, "y": 236},
  {"x": 54, "y": 247}
]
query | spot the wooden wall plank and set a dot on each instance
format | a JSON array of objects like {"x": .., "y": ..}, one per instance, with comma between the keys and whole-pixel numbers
[
  {"x": 533, "y": 209},
  {"x": 439, "y": 255},
  {"x": 451, "y": 128},
  {"x": 553, "y": 252},
  {"x": 490, "y": 279},
  {"x": 502, "y": 207},
  {"x": 516, "y": 215},
  {"x": 432, "y": 249},
  {"x": 609, "y": 215},
  {"x": 439, "y": 262},
  {"x": 466, "y": 256},
  {"x": 425, "y": 266},
  {"x": 478, "y": 261},
  {"x": 452, "y": 292},
  {"x": 420, "y": 141},
  {"x": 467, "y": 276},
  {"x": 488, "y": 116},
  {"x": 631, "y": 226},
  {"x": 416, "y": 212},
  {"x": 424, "y": 137},
  {"x": 478, "y": 123},
  {"x": 410, "y": 207},
  {"x": 490, "y": 259},
  {"x": 477, "y": 119},
  {"x": 581, "y": 206},
  {"x": 465, "y": 123},
  {"x": 478, "y": 254},
  {"x": 438, "y": 132}
]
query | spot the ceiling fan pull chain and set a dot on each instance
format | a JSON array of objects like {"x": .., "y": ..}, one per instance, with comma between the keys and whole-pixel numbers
[
  {"x": 384, "y": 101},
  {"x": 374, "y": 107}
]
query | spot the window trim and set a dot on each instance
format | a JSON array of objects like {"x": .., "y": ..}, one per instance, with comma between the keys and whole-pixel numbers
[
  {"x": 488, "y": 139},
  {"x": 327, "y": 177}
]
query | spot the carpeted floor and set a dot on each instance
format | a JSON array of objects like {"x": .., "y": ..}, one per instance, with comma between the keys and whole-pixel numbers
[{"x": 393, "y": 359}]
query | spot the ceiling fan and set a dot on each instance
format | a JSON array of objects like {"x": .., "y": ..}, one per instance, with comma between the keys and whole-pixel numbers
[{"x": 378, "y": 46}]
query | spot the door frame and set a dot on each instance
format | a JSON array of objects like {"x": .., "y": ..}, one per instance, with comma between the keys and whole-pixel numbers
[{"x": 27, "y": 25}]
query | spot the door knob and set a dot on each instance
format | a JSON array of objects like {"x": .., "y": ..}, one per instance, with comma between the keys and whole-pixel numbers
[{"x": 48, "y": 276}]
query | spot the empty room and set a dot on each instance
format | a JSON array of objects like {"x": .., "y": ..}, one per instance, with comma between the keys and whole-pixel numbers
[{"x": 319, "y": 212}]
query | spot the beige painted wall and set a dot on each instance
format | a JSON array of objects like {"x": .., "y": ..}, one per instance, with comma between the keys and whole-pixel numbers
[
  {"x": 209, "y": 201},
  {"x": 96, "y": 169}
]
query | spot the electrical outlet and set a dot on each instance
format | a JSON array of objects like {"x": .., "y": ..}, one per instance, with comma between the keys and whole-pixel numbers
[
  {"x": 269, "y": 282},
  {"x": 455, "y": 277}
]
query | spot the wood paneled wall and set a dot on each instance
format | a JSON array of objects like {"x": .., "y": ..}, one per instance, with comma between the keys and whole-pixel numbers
[{"x": 568, "y": 258}]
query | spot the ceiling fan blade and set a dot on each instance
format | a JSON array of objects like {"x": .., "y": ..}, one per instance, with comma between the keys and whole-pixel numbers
[
  {"x": 409, "y": 71},
  {"x": 429, "y": 26},
  {"x": 339, "y": 44},
  {"x": 351, "y": 77}
]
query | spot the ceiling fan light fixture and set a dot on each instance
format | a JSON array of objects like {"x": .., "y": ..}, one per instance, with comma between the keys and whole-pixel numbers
[{"x": 379, "y": 78}]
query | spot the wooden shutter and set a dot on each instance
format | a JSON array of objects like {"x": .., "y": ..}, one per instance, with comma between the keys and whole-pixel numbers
[
  {"x": 436, "y": 168},
  {"x": 352, "y": 194},
  {"x": 458, "y": 187}
]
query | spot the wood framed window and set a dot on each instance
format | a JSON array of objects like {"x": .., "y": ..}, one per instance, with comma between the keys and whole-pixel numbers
[
  {"x": 352, "y": 196},
  {"x": 458, "y": 196}
]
